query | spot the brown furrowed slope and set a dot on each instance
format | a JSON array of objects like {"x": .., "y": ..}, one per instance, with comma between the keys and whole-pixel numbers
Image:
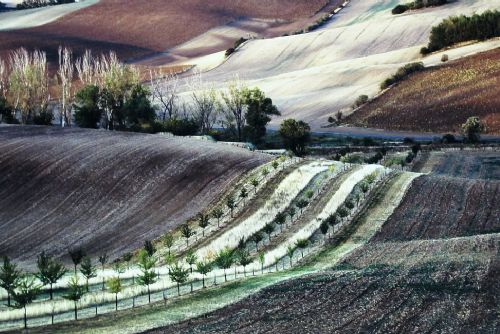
[
  {"x": 104, "y": 191},
  {"x": 468, "y": 164},
  {"x": 439, "y": 99},
  {"x": 432, "y": 295},
  {"x": 444, "y": 207},
  {"x": 139, "y": 27}
]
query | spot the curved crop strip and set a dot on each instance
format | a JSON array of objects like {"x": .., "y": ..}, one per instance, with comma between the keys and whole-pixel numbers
[
  {"x": 179, "y": 245},
  {"x": 333, "y": 204},
  {"x": 288, "y": 189},
  {"x": 144, "y": 318},
  {"x": 321, "y": 186}
]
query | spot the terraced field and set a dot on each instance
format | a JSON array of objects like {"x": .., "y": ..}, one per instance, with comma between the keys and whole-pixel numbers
[{"x": 105, "y": 191}]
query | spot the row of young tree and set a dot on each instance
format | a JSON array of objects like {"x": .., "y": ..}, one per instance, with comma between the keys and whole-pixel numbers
[{"x": 24, "y": 288}]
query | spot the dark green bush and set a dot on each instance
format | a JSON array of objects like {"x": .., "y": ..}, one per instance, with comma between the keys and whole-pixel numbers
[
  {"x": 402, "y": 73},
  {"x": 181, "y": 127},
  {"x": 362, "y": 99},
  {"x": 239, "y": 42},
  {"x": 400, "y": 9},
  {"x": 230, "y": 51},
  {"x": 44, "y": 118},
  {"x": 457, "y": 29}
]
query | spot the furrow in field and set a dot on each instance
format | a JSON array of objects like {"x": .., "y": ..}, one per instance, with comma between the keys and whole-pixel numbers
[{"x": 286, "y": 191}]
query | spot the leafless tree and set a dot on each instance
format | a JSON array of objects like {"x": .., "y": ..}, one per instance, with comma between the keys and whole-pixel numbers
[
  {"x": 65, "y": 74},
  {"x": 28, "y": 83},
  {"x": 234, "y": 105},
  {"x": 205, "y": 105},
  {"x": 87, "y": 68},
  {"x": 164, "y": 89},
  {"x": 3, "y": 78}
]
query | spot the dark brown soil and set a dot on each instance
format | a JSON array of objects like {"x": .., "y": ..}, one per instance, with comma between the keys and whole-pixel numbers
[
  {"x": 444, "y": 207},
  {"x": 140, "y": 27},
  {"x": 439, "y": 99},
  {"x": 429, "y": 297},
  {"x": 104, "y": 191}
]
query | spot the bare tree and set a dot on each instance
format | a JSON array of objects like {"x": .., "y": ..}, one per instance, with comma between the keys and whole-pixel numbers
[
  {"x": 87, "y": 68},
  {"x": 164, "y": 89},
  {"x": 205, "y": 106},
  {"x": 3, "y": 78},
  {"x": 29, "y": 83},
  {"x": 65, "y": 74},
  {"x": 235, "y": 105}
]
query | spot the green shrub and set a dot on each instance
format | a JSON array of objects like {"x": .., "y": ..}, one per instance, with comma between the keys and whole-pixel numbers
[
  {"x": 444, "y": 58},
  {"x": 179, "y": 127},
  {"x": 44, "y": 118},
  {"x": 400, "y": 9},
  {"x": 362, "y": 99},
  {"x": 239, "y": 42},
  {"x": 402, "y": 73},
  {"x": 457, "y": 29}
]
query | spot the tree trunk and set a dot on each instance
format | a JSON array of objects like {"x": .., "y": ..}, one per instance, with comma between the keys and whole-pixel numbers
[
  {"x": 178, "y": 289},
  {"x": 235, "y": 272},
  {"x": 149, "y": 296},
  {"x": 50, "y": 291},
  {"x": 191, "y": 283},
  {"x": 25, "y": 318},
  {"x": 102, "y": 283},
  {"x": 116, "y": 302},
  {"x": 8, "y": 298},
  {"x": 76, "y": 312},
  {"x": 203, "y": 281},
  {"x": 225, "y": 277},
  {"x": 244, "y": 272}
]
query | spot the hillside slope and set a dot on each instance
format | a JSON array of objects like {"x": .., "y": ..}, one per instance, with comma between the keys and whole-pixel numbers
[
  {"x": 141, "y": 27},
  {"x": 104, "y": 191},
  {"x": 311, "y": 76},
  {"x": 440, "y": 98},
  {"x": 443, "y": 280}
]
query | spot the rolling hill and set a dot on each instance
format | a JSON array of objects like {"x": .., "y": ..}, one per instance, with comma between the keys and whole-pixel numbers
[
  {"x": 312, "y": 76},
  {"x": 104, "y": 191},
  {"x": 439, "y": 98},
  {"x": 144, "y": 27}
]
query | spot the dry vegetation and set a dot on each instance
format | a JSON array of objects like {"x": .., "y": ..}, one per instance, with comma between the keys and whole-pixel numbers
[
  {"x": 440, "y": 99},
  {"x": 141, "y": 27},
  {"x": 104, "y": 191}
]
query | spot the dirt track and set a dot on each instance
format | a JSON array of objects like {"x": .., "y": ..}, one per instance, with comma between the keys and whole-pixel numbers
[{"x": 104, "y": 191}]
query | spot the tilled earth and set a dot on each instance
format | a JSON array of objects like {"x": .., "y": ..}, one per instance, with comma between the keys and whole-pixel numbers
[
  {"x": 433, "y": 296},
  {"x": 102, "y": 190}
]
